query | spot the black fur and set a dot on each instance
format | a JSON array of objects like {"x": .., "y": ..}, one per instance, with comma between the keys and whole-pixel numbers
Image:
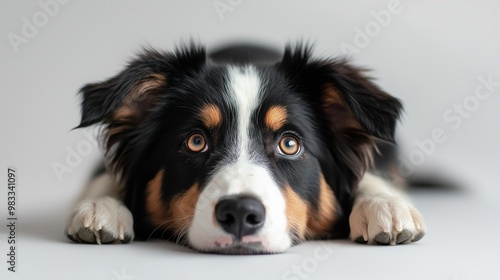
[
  {"x": 377, "y": 111},
  {"x": 154, "y": 137}
]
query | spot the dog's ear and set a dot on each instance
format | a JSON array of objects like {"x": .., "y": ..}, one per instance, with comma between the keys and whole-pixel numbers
[
  {"x": 130, "y": 95},
  {"x": 355, "y": 110},
  {"x": 124, "y": 102},
  {"x": 352, "y": 102}
]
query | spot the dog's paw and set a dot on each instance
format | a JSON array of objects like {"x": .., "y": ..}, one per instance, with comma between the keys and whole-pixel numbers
[
  {"x": 102, "y": 220},
  {"x": 386, "y": 220}
]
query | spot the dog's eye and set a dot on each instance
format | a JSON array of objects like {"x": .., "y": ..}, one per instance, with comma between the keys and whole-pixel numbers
[
  {"x": 289, "y": 145},
  {"x": 196, "y": 143}
]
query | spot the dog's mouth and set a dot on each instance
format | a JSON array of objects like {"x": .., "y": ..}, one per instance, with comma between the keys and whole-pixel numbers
[{"x": 240, "y": 248}]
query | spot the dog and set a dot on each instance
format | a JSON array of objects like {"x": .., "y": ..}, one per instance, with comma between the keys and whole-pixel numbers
[{"x": 243, "y": 151}]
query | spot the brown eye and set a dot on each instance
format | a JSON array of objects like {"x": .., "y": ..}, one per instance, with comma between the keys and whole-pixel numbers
[
  {"x": 196, "y": 143},
  {"x": 289, "y": 145}
]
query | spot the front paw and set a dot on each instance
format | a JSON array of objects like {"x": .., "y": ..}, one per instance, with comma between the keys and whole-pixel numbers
[
  {"x": 102, "y": 220},
  {"x": 386, "y": 220}
]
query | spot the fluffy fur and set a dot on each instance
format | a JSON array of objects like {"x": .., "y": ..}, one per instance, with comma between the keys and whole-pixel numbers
[{"x": 229, "y": 154}]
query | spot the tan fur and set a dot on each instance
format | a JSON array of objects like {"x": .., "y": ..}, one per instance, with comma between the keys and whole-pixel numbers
[
  {"x": 150, "y": 82},
  {"x": 332, "y": 97},
  {"x": 135, "y": 105},
  {"x": 296, "y": 212},
  {"x": 334, "y": 103},
  {"x": 155, "y": 204},
  {"x": 122, "y": 113},
  {"x": 276, "y": 117},
  {"x": 139, "y": 94},
  {"x": 306, "y": 221},
  {"x": 211, "y": 116},
  {"x": 321, "y": 221},
  {"x": 181, "y": 208}
]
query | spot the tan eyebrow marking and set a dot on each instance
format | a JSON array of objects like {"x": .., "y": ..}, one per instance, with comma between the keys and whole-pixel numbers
[
  {"x": 211, "y": 116},
  {"x": 276, "y": 117}
]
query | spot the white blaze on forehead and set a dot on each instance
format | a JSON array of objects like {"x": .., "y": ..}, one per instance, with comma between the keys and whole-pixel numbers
[
  {"x": 244, "y": 87},
  {"x": 242, "y": 176}
]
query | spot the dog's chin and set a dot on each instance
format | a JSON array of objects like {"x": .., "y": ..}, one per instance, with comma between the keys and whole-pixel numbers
[
  {"x": 240, "y": 248},
  {"x": 218, "y": 242},
  {"x": 228, "y": 245}
]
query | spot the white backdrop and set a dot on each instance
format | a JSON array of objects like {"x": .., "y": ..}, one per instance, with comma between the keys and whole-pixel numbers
[{"x": 440, "y": 57}]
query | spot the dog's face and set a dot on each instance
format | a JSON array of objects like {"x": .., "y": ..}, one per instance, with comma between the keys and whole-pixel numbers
[{"x": 239, "y": 158}]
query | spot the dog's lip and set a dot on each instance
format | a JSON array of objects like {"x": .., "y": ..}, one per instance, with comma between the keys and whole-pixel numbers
[{"x": 240, "y": 248}]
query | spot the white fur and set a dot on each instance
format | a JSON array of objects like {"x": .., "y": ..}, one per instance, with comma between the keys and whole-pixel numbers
[
  {"x": 100, "y": 211},
  {"x": 381, "y": 208},
  {"x": 244, "y": 92},
  {"x": 378, "y": 206},
  {"x": 244, "y": 175}
]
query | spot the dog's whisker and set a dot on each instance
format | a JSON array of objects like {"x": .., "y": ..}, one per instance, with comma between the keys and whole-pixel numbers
[
  {"x": 151, "y": 234},
  {"x": 168, "y": 227},
  {"x": 217, "y": 154}
]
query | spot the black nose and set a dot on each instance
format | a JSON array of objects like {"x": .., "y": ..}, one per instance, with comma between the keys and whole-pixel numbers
[{"x": 240, "y": 216}]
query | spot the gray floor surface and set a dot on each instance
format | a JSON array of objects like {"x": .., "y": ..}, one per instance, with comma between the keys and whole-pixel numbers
[{"x": 461, "y": 243}]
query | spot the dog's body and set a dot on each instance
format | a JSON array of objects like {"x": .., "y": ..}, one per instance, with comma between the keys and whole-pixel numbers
[{"x": 237, "y": 156}]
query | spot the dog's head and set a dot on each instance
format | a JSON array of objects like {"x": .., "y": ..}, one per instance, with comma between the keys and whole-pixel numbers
[{"x": 239, "y": 158}]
